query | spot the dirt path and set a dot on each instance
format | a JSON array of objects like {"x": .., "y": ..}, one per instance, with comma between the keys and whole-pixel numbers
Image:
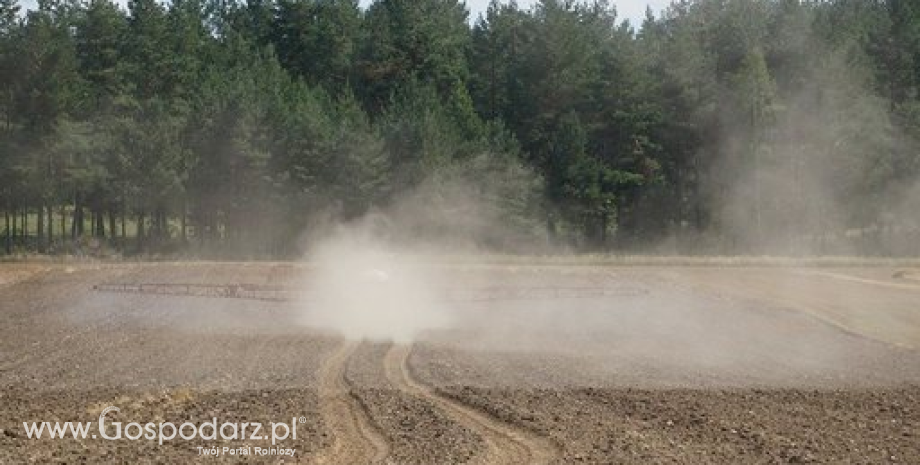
[
  {"x": 356, "y": 439},
  {"x": 506, "y": 443}
]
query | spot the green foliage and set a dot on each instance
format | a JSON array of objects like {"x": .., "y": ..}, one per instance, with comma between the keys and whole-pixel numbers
[
  {"x": 413, "y": 40},
  {"x": 236, "y": 125},
  {"x": 328, "y": 29}
]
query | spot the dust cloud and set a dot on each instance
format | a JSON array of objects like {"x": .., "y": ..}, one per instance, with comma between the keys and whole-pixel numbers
[
  {"x": 377, "y": 277},
  {"x": 815, "y": 174},
  {"x": 363, "y": 288}
]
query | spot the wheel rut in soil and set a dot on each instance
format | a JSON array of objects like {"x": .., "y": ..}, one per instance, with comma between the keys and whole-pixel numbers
[
  {"x": 356, "y": 439},
  {"x": 507, "y": 444}
]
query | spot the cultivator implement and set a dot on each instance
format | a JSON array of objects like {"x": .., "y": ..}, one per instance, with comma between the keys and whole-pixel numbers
[
  {"x": 277, "y": 293},
  {"x": 266, "y": 292},
  {"x": 498, "y": 293}
]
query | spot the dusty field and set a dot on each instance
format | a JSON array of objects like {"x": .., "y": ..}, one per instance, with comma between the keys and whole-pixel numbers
[{"x": 616, "y": 365}]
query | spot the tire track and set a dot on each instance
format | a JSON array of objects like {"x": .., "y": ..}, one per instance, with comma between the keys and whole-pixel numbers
[
  {"x": 506, "y": 443},
  {"x": 872, "y": 282},
  {"x": 355, "y": 440}
]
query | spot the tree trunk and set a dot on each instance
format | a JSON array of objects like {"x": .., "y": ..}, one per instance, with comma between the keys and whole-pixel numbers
[
  {"x": 604, "y": 221},
  {"x": 76, "y": 227},
  {"x": 100, "y": 224},
  {"x": 551, "y": 231},
  {"x": 677, "y": 228},
  {"x": 63, "y": 223},
  {"x": 183, "y": 222},
  {"x": 73, "y": 222},
  {"x": 50, "y": 225},
  {"x": 82, "y": 223},
  {"x": 113, "y": 233},
  {"x": 14, "y": 231},
  {"x": 157, "y": 224},
  {"x": 8, "y": 233},
  {"x": 40, "y": 228},
  {"x": 140, "y": 230},
  {"x": 24, "y": 230},
  {"x": 9, "y": 113},
  {"x": 164, "y": 224}
]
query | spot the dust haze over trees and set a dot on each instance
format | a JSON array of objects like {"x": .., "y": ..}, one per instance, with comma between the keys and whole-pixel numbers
[{"x": 722, "y": 126}]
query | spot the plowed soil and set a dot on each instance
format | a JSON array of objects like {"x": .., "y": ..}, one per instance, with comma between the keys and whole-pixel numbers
[{"x": 552, "y": 364}]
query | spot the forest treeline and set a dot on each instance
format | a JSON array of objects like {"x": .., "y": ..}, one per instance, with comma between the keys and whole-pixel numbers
[{"x": 719, "y": 126}]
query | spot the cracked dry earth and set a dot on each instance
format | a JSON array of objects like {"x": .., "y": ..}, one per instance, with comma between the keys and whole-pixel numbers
[{"x": 671, "y": 364}]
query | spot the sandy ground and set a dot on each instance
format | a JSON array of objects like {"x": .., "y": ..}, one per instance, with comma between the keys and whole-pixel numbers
[{"x": 664, "y": 364}]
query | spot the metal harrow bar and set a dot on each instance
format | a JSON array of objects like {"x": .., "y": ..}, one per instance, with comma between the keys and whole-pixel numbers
[
  {"x": 266, "y": 292},
  {"x": 276, "y": 293},
  {"x": 497, "y": 293}
]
